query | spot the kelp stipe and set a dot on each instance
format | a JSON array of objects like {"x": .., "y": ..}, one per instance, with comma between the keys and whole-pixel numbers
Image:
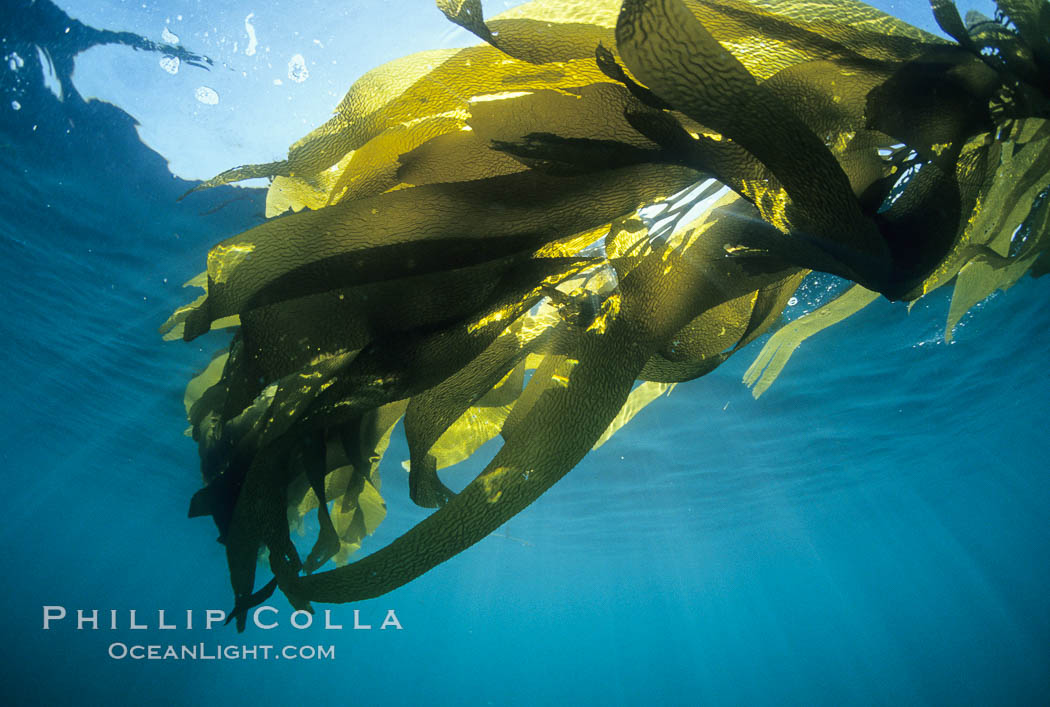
[{"x": 470, "y": 219}]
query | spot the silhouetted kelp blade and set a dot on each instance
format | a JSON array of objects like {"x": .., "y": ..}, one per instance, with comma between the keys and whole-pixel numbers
[
  {"x": 49, "y": 40},
  {"x": 473, "y": 246}
]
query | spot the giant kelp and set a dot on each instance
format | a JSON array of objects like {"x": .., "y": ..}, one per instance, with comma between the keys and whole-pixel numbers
[{"x": 534, "y": 237}]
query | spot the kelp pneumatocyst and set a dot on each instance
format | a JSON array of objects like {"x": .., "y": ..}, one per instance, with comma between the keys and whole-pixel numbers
[{"x": 603, "y": 200}]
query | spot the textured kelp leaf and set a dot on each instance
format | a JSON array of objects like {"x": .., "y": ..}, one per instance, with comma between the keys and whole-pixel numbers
[
  {"x": 1031, "y": 17},
  {"x": 402, "y": 365},
  {"x": 295, "y": 194},
  {"x": 460, "y": 156},
  {"x": 769, "y": 306},
  {"x": 468, "y": 14},
  {"x": 851, "y": 18},
  {"x": 539, "y": 32},
  {"x": 336, "y": 482},
  {"x": 775, "y": 354},
  {"x": 358, "y": 519},
  {"x": 979, "y": 278},
  {"x": 639, "y": 398},
  {"x": 707, "y": 341},
  {"x": 241, "y": 173},
  {"x": 373, "y": 168},
  {"x": 829, "y": 99},
  {"x": 200, "y": 383},
  {"x": 367, "y": 447},
  {"x": 416, "y": 231},
  {"x": 1014, "y": 173},
  {"x": 595, "y": 111},
  {"x": 352, "y": 455},
  {"x": 290, "y": 396},
  {"x": 372, "y": 508},
  {"x": 312, "y": 453},
  {"x": 771, "y": 35},
  {"x": 288, "y": 335},
  {"x": 429, "y": 85},
  {"x": 659, "y": 369},
  {"x": 947, "y": 94},
  {"x": 432, "y": 413},
  {"x": 544, "y": 377},
  {"x": 599, "y": 13},
  {"x": 369, "y": 107},
  {"x": 466, "y": 435},
  {"x": 681, "y": 62},
  {"x": 713, "y": 331},
  {"x": 259, "y": 518},
  {"x": 1020, "y": 177},
  {"x": 948, "y": 19}
]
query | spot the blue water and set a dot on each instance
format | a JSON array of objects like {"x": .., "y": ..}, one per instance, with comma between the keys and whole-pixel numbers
[{"x": 873, "y": 530}]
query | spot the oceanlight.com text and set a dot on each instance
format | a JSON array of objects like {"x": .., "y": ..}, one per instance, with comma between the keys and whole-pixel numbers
[{"x": 205, "y": 651}]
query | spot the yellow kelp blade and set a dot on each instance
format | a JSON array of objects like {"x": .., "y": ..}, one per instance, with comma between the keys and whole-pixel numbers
[
  {"x": 978, "y": 279},
  {"x": 358, "y": 520},
  {"x": 775, "y": 354},
  {"x": 200, "y": 384},
  {"x": 416, "y": 88},
  {"x": 769, "y": 306},
  {"x": 259, "y": 518},
  {"x": 368, "y": 108},
  {"x": 639, "y": 398},
  {"x": 417, "y": 231},
  {"x": 1006, "y": 208},
  {"x": 676, "y": 57},
  {"x": 451, "y": 405},
  {"x": 863, "y": 28},
  {"x": 1031, "y": 18}
]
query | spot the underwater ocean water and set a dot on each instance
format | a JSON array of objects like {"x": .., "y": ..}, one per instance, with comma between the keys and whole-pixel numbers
[{"x": 872, "y": 530}]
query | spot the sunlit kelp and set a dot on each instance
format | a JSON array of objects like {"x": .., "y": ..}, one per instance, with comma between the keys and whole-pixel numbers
[{"x": 473, "y": 219}]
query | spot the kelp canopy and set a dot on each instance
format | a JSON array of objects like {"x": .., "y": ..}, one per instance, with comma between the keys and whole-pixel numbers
[{"x": 536, "y": 236}]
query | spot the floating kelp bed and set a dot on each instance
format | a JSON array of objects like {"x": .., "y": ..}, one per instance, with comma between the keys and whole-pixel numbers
[{"x": 613, "y": 198}]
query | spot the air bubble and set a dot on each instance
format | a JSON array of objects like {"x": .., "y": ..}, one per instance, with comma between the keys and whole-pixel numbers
[
  {"x": 207, "y": 96},
  {"x": 250, "y": 29},
  {"x": 170, "y": 64},
  {"x": 297, "y": 70}
]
